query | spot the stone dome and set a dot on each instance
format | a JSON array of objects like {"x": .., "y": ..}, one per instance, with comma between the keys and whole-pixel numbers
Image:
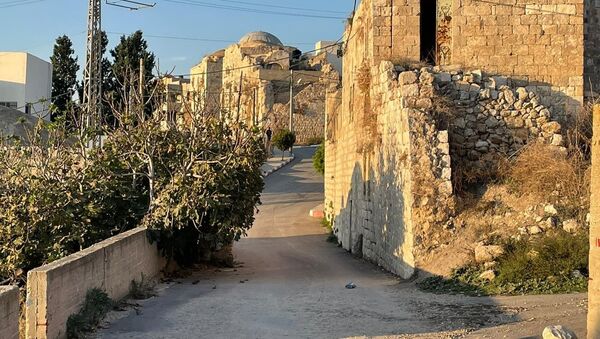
[{"x": 261, "y": 37}]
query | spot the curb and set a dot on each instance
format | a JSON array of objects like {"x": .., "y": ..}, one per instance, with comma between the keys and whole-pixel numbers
[
  {"x": 317, "y": 212},
  {"x": 278, "y": 167}
]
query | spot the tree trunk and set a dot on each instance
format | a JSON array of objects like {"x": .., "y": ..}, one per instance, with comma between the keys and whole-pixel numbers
[{"x": 593, "y": 321}]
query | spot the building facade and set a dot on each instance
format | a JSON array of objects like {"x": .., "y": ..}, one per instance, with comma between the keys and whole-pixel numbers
[{"x": 25, "y": 83}]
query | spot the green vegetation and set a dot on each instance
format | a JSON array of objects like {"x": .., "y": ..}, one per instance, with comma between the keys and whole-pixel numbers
[
  {"x": 552, "y": 264},
  {"x": 284, "y": 140},
  {"x": 332, "y": 238},
  {"x": 195, "y": 187},
  {"x": 319, "y": 159},
  {"x": 96, "y": 305}
]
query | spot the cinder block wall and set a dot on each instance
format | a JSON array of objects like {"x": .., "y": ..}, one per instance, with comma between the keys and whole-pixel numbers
[
  {"x": 9, "y": 312},
  {"x": 57, "y": 290}
]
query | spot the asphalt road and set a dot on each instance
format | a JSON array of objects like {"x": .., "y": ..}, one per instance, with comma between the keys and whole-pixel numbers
[{"x": 290, "y": 284}]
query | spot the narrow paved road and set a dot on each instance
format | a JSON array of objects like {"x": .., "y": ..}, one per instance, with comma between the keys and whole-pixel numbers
[{"x": 291, "y": 285}]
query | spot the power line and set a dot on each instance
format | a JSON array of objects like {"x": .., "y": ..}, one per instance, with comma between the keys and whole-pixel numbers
[
  {"x": 172, "y": 37},
  {"x": 18, "y": 3},
  {"x": 283, "y": 7},
  {"x": 249, "y": 10}
]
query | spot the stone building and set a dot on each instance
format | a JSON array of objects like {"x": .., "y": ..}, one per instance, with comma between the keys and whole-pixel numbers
[
  {"x": 434, "y": 93},
  {"x": 250, "y": 81}
]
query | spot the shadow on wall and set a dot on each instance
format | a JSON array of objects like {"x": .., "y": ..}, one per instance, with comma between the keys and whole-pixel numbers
[{"x": 374, "y": 221}]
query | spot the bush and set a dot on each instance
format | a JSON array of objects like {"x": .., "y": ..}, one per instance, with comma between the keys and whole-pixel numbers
[
  {"x": 204, "y": 182},
  {"x": 319, "y": 159},
  {"x": 284, "y": 140},
  {"x": 51, "y": 193}
]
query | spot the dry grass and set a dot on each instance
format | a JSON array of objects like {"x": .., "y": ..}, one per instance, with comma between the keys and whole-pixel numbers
[{"x": 551, "y": 176}]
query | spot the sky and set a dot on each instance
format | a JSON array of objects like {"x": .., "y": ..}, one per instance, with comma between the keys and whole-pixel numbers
[{"x": 33, "y": 25}]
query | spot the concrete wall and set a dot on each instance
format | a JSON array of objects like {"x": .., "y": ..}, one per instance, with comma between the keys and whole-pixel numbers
[
  {"x": 57, "y": 290},
  {"x": 25, "y": 79},
  {"x": 9, "y": 312}
]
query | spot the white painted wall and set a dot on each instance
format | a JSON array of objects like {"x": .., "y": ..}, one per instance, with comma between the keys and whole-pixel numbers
[{"x": 26, "y": 79}]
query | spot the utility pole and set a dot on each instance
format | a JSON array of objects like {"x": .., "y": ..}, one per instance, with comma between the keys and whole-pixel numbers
[
  {"x": 239, "y": 98},
  {"x": 92, "y": 74},
  {"x": 141, "y": 88},
  {"x": 291, "y": 100},
  {"x": 593, "y": 318}
]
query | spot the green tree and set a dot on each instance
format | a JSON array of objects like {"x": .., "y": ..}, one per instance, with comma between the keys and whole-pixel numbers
[
  {"x": 126, "y": 68},
  {"x": 64, "y": 74},
  {"x": 284, "y": 140}
]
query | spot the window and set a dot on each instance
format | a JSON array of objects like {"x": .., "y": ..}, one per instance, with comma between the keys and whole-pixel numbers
[
  {"x": 28, "y": 109},
  {"x": 9, "y": 104}
]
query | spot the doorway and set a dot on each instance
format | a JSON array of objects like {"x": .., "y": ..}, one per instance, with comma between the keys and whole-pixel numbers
[{"x": 428, "y": 30}]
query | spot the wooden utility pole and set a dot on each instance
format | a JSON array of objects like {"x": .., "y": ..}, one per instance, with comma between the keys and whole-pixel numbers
[{"x": 593, "y": 320}]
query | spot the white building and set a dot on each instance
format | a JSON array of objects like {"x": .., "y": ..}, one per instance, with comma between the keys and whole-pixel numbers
[
  {"x": 332, "y": 49},
  {"x": 25, "y": 83}
]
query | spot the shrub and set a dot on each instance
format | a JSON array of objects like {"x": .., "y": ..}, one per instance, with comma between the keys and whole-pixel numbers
[
  {"x": 319, "y": 159},
  {"x": 51, "y": 193},
  {"x": 203, "y": 182},
  {"x": 284, "y": 140}
]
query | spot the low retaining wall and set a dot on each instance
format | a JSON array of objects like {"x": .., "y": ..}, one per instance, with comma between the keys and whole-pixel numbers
[
  {"x": 57, "y": 290},
  {"x": 9, "y": 312}
]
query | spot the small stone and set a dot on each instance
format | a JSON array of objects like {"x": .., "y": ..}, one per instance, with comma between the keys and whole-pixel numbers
[
  {"x": 490, "y": 265},
  {"x": 588, "y": 218},
  {"x": 557, "y": 332},
  {"x": 488, "y": 275},
  {"x": 551, "y": 222},
  {"x": 551, "y": 127},
  {"x": 442, "y": 136},
  {"x": 577, "y": 274},
  {"x": 550, "y": 210},
  {"x": 443, "y": 77},
  {"x": 522, "y": 93},
  {"x": 534, "y": 230},
  {"x": 406, "y": 78},
  {"x": 557, "y": 140},
  {"x": 571, "y": 226},
  {"x": 482, "y": 144},
  {"x": 487, "y": 253}
]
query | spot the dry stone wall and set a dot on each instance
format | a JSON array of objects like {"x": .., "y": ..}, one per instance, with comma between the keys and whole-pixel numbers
[{"x": 488, "y": 117}]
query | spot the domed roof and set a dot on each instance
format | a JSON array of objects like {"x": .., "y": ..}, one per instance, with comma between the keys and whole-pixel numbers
[{"x": 262, "y": 37}]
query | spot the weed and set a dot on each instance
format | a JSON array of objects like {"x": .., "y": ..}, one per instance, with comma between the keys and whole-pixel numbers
[
  {"x": 143, "y": 289},
  {"x": 96, "y": 305}
]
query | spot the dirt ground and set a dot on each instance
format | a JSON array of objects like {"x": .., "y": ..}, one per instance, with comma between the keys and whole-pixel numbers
[{"x": 290, "y": 283}]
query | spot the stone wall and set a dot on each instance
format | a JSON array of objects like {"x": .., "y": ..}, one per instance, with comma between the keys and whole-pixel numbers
[
  {"x": 309, "y": 117},
  {"x": 9, "y": 312},
  {"x": 57, "y": 290},
  {"x": 387, "y": 170},
  {"x": 488, "y": 117},
  {"x": 540, "y": 44}
]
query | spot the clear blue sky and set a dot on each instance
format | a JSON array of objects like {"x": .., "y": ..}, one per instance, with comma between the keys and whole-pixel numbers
[{"x": 33, "y": 25}]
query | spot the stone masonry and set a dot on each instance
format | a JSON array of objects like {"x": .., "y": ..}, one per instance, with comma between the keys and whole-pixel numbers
[{"x": 403, "y": 133}]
